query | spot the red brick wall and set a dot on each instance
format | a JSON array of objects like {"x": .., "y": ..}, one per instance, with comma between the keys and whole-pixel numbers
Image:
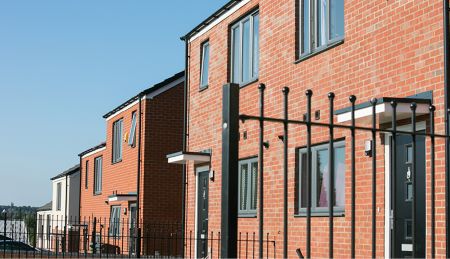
[
  {"x": 391, "y": 48},
  {"x": 162, "y": 122}
]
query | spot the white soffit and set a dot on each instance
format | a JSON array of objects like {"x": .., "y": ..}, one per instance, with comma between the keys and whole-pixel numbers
[
  {"x": 184, "y": 157},
  {"x": 122, "y": 198},
  {"x": 93, "y": 152},
  {"x": 384, "y": 112},
  {"x": 218, "y": 20}
]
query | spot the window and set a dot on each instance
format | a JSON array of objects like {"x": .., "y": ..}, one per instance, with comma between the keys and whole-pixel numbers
[
  {"x": 132, "y": 139},
  {"x": 117, "y": 141},
  {"x": 321, "y": 24},
  {"x": 245, "y": 49},
  {"x": 86, "y": 175},
  {"x": 320, "y": 178},
  {"x": 98, "y": 163},
  {"x": 114, "y": 224},
  {"x": 248, "y": 179},
  {"x": 58, "y": 196},
  {"x": 204, "y": 74}
]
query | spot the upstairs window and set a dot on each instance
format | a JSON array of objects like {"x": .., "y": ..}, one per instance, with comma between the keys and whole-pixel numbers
[
  {"x": 321, "y": 24},
  {"x": 58, "y": 196},
  {"x": 98, "y": 174},
  {"x": 117, "y": 141},
  {"x": 132, "y": 138},
  {"x": 204, "y": 74},
  {"x": 248, "y": 179},
  {"x": 86, "y": 173},
  {"x": 245, "y": 49}
]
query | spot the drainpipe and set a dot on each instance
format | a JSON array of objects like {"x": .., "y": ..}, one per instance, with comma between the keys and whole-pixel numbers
[
  {"x": 447, "y": 130},
  {"x": 183, "y": 180},
  {"x": 138, "y": 187},
  {"x": 65, "y": 218}
]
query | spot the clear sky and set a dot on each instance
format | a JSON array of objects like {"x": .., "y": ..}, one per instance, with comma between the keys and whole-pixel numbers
[{"x": 64, "y": 64}]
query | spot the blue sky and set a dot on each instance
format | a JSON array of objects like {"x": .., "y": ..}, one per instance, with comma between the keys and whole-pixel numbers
[{"x": 63, "y": 64}]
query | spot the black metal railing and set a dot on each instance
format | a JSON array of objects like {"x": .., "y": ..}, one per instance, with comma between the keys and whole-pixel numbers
[{"x": 351, "y": 130}]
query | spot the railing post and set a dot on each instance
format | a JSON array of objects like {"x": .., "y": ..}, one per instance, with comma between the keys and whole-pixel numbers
[
  {"x": 230, "y": 180},
  {"x": 94, "y": 241}
]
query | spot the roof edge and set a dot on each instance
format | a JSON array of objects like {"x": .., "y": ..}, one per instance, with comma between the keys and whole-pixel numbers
[{"x": 101, "y": 145}]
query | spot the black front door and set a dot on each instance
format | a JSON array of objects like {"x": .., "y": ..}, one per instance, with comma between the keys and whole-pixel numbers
[
  {"x": 202, "y": 212},
  {"x": 132, "y": 229},
  {"x": 403, "y": 199}
]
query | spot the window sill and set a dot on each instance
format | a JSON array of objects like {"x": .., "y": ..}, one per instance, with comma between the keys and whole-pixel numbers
[
  {"x": 319, "y": 214},
  {"x": 116, "y": 162},
  {"x": 97, "y": 193},
  {"x": 318, "y": 51},
  {"x": 203, "y": 88},
  {"x": 248, "y": 83},
  {"x": 247, "y": 215}
]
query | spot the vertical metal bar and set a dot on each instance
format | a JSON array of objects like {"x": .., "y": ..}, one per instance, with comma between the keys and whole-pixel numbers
[
  {"x": 446, "y": 26},
  {"x": 230, "y": 157},
  {"x": 309, "y": 94},
  {"x": 433, "y": 191},
  {"x": 352, "y": 99},
  {"x": 374, "y": 177},
  {"x": 393, "y": 179},
  {"x": 285, "y": 174},
  {"x": 413, "y": 177},
  {"x": 331, "y": 179},
  {"x": 261, "y": 88},
  {"x": 94, "y": 227}
]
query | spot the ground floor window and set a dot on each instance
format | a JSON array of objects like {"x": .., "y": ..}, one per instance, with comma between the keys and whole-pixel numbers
[
  {"x": 248, "y": 179},
  {"x": 320, "y": 178},
  {"x": 114, "y": 224}
]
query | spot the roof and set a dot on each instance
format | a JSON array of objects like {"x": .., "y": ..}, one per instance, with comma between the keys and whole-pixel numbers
[
  {"x": 145, "y": 92},
  {"x": 70, "y": 171},
  {"x": 47, "y": 206},
  {"x": 211, "y": 18},
  {"x": 101, "y": 145}
]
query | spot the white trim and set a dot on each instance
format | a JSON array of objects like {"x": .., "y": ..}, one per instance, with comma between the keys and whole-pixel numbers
[
  {"x": 218, "y": 20},
  {"x": 93, "y": 152},
  {"x": 122, "y": 198},
  {"x": 387, "y": 186},
  {"x": 148, "y": 96}
]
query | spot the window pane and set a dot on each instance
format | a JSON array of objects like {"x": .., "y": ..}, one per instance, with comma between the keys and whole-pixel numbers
[
  {"x": 339, "y": 176},
  {"x": 336, "y": 19},
  {"x": 246, "y": 51},
  {"x": 322, "y": 178},
  {"x": 305, "y": 26},
  {"x": 236, "y": 33},
  {"x": 243, "y": 187},
  {"x": 254, "y": 186},
  {"x": 205, "y": 63},
  {"x": 255, "y": 46},
  {"x": 303, "y": 182},
  {"x": 132, "y": 136},
  {"x": 321, "y": 12}
]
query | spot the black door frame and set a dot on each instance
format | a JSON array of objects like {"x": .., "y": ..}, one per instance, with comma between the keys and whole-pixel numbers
[
  {"x": 420, "y": 126},
  {"x": 198, "y": 170}
]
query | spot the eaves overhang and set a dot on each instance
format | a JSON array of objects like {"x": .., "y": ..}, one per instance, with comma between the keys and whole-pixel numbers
[{"x": 183, "y": 157}]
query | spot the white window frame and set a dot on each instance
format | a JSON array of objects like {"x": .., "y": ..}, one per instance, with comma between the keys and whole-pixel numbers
[
  {"x": 114, "y": 222},
  {"x": 203, "y": 64},
  {"x": 253, "y": 76},
  {"x": 316, "y": 211},
  {"x": 314, "y": 46},
  {"x": 248, "y": 211}
]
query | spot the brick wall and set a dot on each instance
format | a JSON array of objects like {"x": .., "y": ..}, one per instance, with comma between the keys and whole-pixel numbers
[{"x": 391, "y": 48}]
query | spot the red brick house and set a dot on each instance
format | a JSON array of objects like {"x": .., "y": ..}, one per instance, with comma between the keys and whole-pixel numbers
[
  {"x": 109, "y": 171},
  {"x": 365, "y": 48}
]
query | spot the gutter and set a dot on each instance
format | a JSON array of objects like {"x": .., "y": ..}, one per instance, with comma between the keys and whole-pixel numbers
[
  {"x": 447, "y": 129},
  {"x": 138, "y": 187}
]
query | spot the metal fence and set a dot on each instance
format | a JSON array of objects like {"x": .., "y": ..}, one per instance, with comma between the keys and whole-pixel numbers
[
  {"x": 54, "y": 237},
  {"x": 233, "y": 118}
]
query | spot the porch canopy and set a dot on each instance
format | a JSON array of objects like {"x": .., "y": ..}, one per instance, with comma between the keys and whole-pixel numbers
[
  {"x": 183, "y": 157},
  {"x": 383, "y": 109},
  {"x": 122, "y": 197}
]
